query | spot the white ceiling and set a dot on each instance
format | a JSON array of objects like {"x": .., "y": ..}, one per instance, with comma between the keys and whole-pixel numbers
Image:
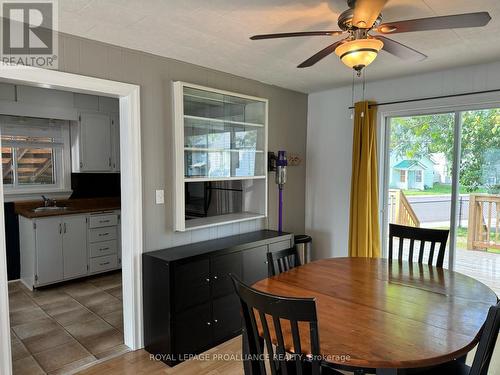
[{"x": 214, "y": 34}]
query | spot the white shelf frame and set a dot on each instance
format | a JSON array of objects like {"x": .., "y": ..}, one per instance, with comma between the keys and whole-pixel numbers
[
  {"x": 178, "y": 157},
  {"x": 219, "y": 121},
  {"x": 200, "y": 149}
]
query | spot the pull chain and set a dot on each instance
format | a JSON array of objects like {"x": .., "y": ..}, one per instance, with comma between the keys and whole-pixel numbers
[
  {"x": 352, "y": 111},
  {"x": 364, "y": 86}
]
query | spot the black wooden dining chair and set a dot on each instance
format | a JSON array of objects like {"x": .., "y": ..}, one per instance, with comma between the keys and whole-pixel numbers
[
  {"x": 423, "y": 235},
  {"x": 263, "y": 307},
  {"x": 485, "y": 349},
  {"x": 282, "y": 261}
]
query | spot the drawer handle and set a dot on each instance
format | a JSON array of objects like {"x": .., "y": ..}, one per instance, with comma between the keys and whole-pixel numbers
[
  {"x": 104, "y": 264},
  {"x": 104, "y": 221},
  {"x": 215, "y": 277},
  {"x": 104, "y": 248},
  {"x": 208, "y": 280},
  {"x": 216, "y": 321},
  {"x": 103, "y": 234},
  {"x": 209, "y": 324}
]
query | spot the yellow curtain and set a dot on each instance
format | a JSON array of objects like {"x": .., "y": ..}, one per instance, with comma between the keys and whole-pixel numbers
[{"x": 364, "y": 233}]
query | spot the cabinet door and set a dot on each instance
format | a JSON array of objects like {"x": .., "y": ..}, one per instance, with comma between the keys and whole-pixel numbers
[
  {"x": 220, "y": 268},
  {"x": 191, "y": 284},
  {"x": 193, "y": 330},
  {"x": 254, "y": 264},
  {"x": 115, "y": 142},
  {"x": 226, "y": 317},
  {"x": 74, "y": 246},
  {"x": 95, "y": 146},
  {"x": 49, "y": 254}
]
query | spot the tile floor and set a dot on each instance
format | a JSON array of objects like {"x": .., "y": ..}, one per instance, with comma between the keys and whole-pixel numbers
[{"x": 57, "y": 329}]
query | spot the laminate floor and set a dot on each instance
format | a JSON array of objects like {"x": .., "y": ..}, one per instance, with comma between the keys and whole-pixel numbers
[
  {"x": 217, "y": 361},
  {"x": 58, "y": 329}
]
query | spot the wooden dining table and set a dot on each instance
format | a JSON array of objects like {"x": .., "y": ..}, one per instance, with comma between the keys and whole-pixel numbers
[{"x": 388, "y": 316}]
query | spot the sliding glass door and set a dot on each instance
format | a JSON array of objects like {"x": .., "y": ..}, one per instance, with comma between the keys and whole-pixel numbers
[
  {"x": 419, "y": 171},
  {"x": 442, "y": 170}
]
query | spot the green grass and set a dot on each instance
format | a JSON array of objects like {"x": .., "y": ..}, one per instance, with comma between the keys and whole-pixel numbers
[{"x": 439, "y": 189}]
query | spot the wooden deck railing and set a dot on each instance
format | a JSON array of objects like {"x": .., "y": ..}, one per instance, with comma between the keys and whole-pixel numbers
[
  {"x": 484, "y": 222},
  {"x": 400, "y": 210}
]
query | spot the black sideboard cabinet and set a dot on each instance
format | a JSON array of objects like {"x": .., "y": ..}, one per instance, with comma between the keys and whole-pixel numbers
[{"x": 188, "y": 297}]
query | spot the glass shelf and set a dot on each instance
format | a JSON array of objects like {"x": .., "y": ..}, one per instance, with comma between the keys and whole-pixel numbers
[
  {"x": 223, "y": 163},
  {"x": 222, "y": 175}
]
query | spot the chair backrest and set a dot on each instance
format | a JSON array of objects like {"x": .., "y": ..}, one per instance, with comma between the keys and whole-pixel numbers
[
  {"x": 487, "y": 342},
  {"x": 282, "y": 260},
  {"x": 262, "y": 307},
  {"x": 423, "y": 235}
]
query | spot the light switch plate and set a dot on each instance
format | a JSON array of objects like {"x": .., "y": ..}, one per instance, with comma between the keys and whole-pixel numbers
[{"x": 160, "y": 196}]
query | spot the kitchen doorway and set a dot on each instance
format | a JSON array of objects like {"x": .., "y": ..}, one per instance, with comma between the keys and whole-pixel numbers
[{"x": 131, "y": 192}]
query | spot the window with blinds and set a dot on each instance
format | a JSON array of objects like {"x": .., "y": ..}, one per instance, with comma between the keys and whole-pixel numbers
[{"x": 33, "y": 153}]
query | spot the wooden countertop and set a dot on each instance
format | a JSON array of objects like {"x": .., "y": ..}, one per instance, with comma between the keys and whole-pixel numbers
[{"x": 73, "y": 206}]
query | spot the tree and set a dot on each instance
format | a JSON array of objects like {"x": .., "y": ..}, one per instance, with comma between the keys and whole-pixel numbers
[{"x": 417, "y": 136}]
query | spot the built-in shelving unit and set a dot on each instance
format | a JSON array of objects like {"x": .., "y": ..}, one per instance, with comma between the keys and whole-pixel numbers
[{"x": 220, "y": 156}]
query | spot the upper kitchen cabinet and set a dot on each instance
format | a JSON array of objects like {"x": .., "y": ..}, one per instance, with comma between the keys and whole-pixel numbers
[
  {"x": 220, "y": 156},
  {"x": 95, "y": 138},
  {"x": 91, "y": 143}
]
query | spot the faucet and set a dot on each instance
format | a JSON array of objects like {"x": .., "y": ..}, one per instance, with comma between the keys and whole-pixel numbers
[{"x": 47, "y": 202}]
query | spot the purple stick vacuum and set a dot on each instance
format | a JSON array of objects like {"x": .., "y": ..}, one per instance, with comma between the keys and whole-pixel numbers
[{"x": 281, "y": 163}]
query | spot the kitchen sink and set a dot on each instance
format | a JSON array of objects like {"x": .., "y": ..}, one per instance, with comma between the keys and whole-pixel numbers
[{"x": 50, "y": 208}]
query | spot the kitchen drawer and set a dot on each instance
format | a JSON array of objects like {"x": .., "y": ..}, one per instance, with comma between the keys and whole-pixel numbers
[
  {"x": 99, "y": 221},
  {"x": 99, "y": 249},
  {"x": 102, "y": 234},
  {"x": 277, "y": 246},
  {"x": 102, "y": 264}
]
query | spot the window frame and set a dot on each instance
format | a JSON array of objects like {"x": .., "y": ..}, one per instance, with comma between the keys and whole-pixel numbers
[
  {"x": 419, "y": 175},
  {"x": 403, "y": 176},
  {"x": 61, "y": 161}
]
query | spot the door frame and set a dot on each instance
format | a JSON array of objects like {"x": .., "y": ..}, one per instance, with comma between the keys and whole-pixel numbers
[
  {"x": 131, "y": 194},
  {"x": 433, "y": 106}
]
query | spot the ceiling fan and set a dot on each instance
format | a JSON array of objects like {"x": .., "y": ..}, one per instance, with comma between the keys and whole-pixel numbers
[{"x": 361, "y": 48}]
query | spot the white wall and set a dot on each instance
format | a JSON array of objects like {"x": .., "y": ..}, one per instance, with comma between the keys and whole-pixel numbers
[{"x": 329, "y": 141}]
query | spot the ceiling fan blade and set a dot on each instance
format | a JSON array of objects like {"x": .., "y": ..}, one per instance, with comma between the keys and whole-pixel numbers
[
  {"x": 436, "y": 23},
  {"x": 366, "y": 12},
  {"x": 400, "y": 50},
  {"x": 302, "y": 33},
  {"x": 320, "y": 55}
]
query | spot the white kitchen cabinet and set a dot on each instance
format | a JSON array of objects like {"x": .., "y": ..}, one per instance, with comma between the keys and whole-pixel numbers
[
  {"x": 104, "y": 242},
  {"x": 53, "y": 249},
  {"x": 48, "y": 250},
  {"x": 74, "y": 246},
  {"x": 91, "y": 143}
]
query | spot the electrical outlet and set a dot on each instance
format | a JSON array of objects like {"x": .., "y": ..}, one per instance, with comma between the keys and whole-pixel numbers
[{"x": 160, "y": 196}]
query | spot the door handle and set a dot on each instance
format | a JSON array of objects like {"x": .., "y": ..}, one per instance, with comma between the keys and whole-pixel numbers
[
  {"x": 64, "y": 227},
  {"x": 60, "y": 228}
]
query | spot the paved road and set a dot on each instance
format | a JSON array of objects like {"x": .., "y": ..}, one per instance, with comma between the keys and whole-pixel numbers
[{"x": 436, "y": 208}]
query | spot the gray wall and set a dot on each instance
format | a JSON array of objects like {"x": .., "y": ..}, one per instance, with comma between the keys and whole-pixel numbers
[{"x": 287, "y": 130}]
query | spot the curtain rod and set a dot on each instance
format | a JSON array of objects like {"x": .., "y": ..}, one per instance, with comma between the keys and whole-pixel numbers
[{"x": 432, "y": 98}]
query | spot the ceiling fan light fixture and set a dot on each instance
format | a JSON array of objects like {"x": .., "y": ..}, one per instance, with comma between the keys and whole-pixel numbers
[{"x": 358, "y": 54}]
